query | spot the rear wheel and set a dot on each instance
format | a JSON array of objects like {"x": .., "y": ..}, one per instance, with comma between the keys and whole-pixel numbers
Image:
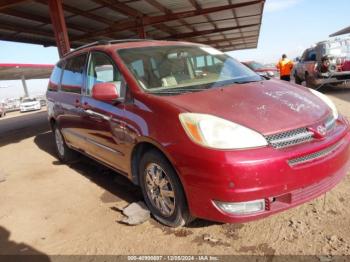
[
  {"x": 297, "y": 79},
  {"x": 64, "y": 153},
  {"x": 162, "y": 190}
]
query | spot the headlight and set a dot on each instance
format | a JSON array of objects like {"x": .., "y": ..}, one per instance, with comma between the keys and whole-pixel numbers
[
  {"x": 215, "y": 132},
  {"x": 327, "y": 101}
]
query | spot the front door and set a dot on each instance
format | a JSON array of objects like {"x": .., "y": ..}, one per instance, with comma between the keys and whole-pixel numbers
[{"x": 104, "y": 124}]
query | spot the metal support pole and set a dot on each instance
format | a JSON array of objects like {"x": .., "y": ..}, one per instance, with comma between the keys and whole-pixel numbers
[
  {"x": 24, "y": 84},
  {"x": 59, "y": 26},
  {"x": 141, "y": 28}
]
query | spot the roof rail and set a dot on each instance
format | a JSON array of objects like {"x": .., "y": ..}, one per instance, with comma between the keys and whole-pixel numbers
[{"x": 107, "y": 42}]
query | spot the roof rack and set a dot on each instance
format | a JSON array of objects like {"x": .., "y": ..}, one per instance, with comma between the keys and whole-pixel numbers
[{"x": 107, "y": 42}]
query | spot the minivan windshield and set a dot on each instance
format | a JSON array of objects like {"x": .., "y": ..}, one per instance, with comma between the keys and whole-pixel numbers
[{"x": 184, "y": 68}]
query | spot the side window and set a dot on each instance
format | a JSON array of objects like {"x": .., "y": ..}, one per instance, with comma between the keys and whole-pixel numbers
[
  {"x": 217, "y": 61},
  {"x": 55, "y": 78},
  {"x": 155, "y": 68},
  {"x": 312, "y": 56},
  {"x": 72, "y": 80},
  {"x": 101, "y": 70},
  {"x": 200, "y": 62},
  {"x": 209, "y": 60},
  {"x": 138, "y": 67}
]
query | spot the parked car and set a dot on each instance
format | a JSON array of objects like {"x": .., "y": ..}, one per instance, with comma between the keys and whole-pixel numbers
[
  {"x": 42, "y": 102},
  {"x": 224, "y": 145},
  {"x": 12, "y": 104},
  {"x": 263, "y": 70},
  {"x": 29, "y": 104},
  {"x": 338, "y": 53},
  {"x": 2, "y": 110}
]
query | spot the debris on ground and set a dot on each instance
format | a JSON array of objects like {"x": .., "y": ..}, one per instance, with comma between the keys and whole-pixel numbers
[
  {"x": 209, "y": 238},
  {"x": 136, "y": 213},
  {"x": 2, "y": 177}
]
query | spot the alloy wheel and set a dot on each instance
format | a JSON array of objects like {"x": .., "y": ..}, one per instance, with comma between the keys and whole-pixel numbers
[{"x": 160, "y": 190}]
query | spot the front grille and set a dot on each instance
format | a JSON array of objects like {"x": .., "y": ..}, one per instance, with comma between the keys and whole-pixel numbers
[
  {"x": 314, "y": 156},
  {"x": 290, "y": 138},
  {"x": 297, "y": 136}
]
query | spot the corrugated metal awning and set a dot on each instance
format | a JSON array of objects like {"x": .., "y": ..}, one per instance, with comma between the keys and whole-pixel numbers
[{"x": 225, "y": 24}]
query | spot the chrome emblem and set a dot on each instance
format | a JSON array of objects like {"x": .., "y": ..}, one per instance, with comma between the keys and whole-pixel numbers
[{"x": 321, "y": 130}]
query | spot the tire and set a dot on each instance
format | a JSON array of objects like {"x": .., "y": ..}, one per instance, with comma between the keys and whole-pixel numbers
[
  {"x": 297, "y": 80},
  {"x": 64, "y": 153},
  {"x": 308, "y": 81},
  {"x": 156, "y": 172}
]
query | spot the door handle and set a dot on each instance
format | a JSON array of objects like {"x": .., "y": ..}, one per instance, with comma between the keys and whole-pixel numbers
[
  {"x": 77, "y": 103},
  {"x": 86, "y": 106},
  {"x": 96, "y": 115}
]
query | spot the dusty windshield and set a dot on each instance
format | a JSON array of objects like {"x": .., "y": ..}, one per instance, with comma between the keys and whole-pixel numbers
[{"x": 177, "y": 69}]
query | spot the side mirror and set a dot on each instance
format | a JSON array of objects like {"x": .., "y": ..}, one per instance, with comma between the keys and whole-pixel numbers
[
  {"x": 270, "y": 74},
  {"x": 264, "y": 75},
  {"x": 105, "y": 92}
]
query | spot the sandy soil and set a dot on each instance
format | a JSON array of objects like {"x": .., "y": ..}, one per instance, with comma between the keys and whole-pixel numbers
[{"x": 49, "y": 208}]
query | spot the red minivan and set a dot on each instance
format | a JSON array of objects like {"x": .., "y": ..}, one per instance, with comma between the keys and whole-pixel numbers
[{"x": 201, "y": 134}]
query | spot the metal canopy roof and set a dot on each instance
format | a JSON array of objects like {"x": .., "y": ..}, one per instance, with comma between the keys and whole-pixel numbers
[
  {"x": 225, "y": 24},
  {"x": 28, "y": 71},
  {"x": 342, "y": 32}
]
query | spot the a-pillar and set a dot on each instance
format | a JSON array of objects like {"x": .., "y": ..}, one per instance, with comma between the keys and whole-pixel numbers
[{"x": 59, "y": 26}]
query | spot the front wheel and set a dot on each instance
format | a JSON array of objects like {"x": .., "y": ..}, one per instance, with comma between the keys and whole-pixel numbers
[
  {"x": 162, "y": 190},
  {"x": 309, "y": 81},
  {"x": 64, "y": 153}
]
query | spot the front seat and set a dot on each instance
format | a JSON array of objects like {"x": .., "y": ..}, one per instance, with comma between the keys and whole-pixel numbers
[{"x": 166, "y": 75}]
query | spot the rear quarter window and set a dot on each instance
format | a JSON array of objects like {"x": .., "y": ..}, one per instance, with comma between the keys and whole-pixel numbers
[
  {"x": 72, "y": 80},
  {"x": 55, "y": 78}
]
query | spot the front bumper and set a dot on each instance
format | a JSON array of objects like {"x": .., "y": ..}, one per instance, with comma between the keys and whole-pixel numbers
[{"x": 265, "y": 173}]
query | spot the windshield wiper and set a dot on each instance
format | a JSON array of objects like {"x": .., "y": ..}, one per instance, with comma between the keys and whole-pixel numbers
[
  {"x": 177, "y": 90},
  {"x": 246, "y": 82}
]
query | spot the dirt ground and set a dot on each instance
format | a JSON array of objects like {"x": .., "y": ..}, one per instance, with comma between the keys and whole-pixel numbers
[{"x": 50, "y": 208}]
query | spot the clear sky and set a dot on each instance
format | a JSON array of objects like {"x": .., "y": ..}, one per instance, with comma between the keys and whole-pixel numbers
[{"x": 288, "y": 26}]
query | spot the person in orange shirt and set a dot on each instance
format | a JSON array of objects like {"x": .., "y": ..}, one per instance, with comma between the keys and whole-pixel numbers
[{"x": 285, "y": 67}]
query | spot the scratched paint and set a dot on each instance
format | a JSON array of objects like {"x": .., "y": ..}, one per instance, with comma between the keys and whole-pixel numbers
[{"x": 284, "y": 97}]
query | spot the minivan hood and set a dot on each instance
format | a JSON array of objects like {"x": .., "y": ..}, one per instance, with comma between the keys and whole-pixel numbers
[{"x": 268, "y": 107}]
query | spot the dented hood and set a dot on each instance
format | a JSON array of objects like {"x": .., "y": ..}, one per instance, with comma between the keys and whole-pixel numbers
[{"x": 268, "y": 107}]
